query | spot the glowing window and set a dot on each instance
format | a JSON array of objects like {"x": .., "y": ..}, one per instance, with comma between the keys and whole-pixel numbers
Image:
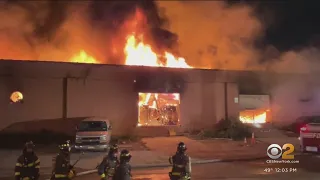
[
  {"x": 159, "y": 109},
  {"x": 16, "y": 97}
]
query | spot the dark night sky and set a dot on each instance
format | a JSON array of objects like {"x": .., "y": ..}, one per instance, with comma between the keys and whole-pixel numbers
[{"x": 291, "y": 24}]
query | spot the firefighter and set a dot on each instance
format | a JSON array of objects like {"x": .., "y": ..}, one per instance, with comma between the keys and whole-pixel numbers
[
  {"x": 109, "y": 163},
  {"x": 181, "y": 164},
  {"x": 28, "y": 164},
  {"x": 123, "y": 171},
  {"x": 63, "y": 170}
]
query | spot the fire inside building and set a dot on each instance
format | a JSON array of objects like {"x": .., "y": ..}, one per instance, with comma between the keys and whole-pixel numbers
[
  {"x": 157, "y": 109},
  {"x": 151, "y": 88},
  {"x": 129, "y": 96},
  {"x": 133, "y": 98}
]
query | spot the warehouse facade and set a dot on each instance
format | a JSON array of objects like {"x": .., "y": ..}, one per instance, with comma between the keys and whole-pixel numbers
[
  {"x": 63, "y": 91},
  {"x": 57, "y": 94}
]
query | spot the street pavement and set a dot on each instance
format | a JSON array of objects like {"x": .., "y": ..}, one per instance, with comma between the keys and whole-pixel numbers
[
  {"x": 88, "y": 161},
  {"x": 160, "y": 148},
  {"x": 159, "y": 151},
  {"x": 308, "y": 168},
  {"x": 207, "y": 149}
]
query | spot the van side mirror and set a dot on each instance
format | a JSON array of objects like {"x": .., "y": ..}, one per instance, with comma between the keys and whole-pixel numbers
[{"x": 110, "y": 127}]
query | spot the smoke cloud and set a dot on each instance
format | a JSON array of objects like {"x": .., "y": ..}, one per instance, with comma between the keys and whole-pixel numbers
[
  {"x": 27, "y": 27},
  {"x": 304, "y": 61},
  {"x": 296, "y": 94},
  {"x": 55, "y": 30},
  {"x": 209, "y": 34},
  {"x": 214, "y": 35}
]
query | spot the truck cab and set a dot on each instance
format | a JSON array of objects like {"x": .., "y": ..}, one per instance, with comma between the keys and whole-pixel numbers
[{"x": 93, "y": 134}]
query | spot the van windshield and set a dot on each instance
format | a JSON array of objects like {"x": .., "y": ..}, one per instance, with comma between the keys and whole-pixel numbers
[{"x": 93, "y": 126}]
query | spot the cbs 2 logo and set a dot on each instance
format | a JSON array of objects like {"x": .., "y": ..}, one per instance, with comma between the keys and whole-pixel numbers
[{"x": 275, "y": 151}]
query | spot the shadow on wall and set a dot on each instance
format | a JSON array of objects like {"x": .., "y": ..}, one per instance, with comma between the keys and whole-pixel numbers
[{"x": 61, "y": 126}]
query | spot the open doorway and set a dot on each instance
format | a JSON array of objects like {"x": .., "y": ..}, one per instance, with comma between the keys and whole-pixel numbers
[
  {"x": 255, "y": 109},
  {"x": 254, "y": 116},
  {"x": 159, "y": 109}
]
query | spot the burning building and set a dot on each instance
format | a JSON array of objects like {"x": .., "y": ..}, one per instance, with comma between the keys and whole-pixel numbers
[
  {"x": 156, "y": 87},
  {"x": 130, "y": 96},
  {"x": 255, "y": 108},
  {"x": 151, "y": 85}
]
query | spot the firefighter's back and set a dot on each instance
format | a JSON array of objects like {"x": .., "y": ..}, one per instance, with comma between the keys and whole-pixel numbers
[
  {"x": 61, "y": 168},
  {"x": 123, "y": 172}
]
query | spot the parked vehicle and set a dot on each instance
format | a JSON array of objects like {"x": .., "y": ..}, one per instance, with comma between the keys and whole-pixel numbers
[
  {"x": 310, "y": 135},
  {"x": 93, "y": 134},
  {"x": 302, "y": 122}
]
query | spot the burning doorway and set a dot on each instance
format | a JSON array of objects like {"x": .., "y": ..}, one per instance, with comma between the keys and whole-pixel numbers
[
  {"x": 254, "y": 108},
  {"x": 254, "y": 116},
  {"x": 159, "y": 109}
]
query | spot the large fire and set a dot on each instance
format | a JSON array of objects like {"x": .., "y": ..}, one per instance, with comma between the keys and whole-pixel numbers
[
  {"x": 136, "y": 51},
  {"x": 139, "y": 53}
]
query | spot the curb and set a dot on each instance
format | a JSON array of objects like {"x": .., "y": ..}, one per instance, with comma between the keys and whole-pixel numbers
[{"x": 168, "y": 165}]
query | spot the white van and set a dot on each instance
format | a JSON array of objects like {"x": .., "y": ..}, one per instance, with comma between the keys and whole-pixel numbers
[{"x": 93, "y": 134}]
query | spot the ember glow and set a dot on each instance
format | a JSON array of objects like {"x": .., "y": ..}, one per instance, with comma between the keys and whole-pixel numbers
[
  {"x": 16, "y": 97},
  {"x": 253, "y": 116}
]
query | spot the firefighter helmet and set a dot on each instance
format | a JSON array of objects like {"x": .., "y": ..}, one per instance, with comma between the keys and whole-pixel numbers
[
  {"x": 125, "y": 155},
  {"x": 113, "y": 148},
  {"x": 65, "y": 147},
  {"x": 29, "y": 145},
  {"x": 181, "y": 147}
]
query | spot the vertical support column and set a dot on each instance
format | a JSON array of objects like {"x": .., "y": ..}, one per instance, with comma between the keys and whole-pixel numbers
[
  {"x": 65, "y": 98},
  {"x": 226, "y": 116}
]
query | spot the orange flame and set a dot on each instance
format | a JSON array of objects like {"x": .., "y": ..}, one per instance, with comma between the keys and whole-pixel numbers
[
  {"x": 16, "y": 96},
  {"x": 252, "y": 117},
  {"x": 83, "y": 57},
  {"x": 136, "y": 51},
  {"x": 155, "y": 102},
  {"x": 140, "y": 54}
]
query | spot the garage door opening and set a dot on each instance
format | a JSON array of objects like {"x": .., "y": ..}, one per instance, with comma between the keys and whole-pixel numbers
[
  {"x": 254, "y": 116},
  {"x": 159, "y": 109}
]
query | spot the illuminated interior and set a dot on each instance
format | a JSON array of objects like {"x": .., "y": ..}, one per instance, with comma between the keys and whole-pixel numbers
[
  {"x": 254, "y": 116},
  {"x": 159, "y": 109},
  {"x": 16, "y": 97}
]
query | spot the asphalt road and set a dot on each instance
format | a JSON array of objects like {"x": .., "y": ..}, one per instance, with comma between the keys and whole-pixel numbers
[{"x": 307, "y": 168}]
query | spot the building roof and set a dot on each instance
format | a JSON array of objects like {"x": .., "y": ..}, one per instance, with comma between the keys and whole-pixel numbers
[{"x": 46, "y": 69}]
